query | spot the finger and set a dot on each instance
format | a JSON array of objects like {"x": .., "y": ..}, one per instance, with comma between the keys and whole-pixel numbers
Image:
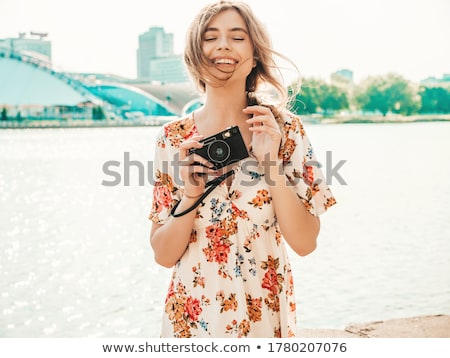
[
  {"x": 265, "y": 129},
  {"x": 262, "y": 120},
  {"x": 195, "y": 159},
  {"x": 200, "y": 169},
  {"x": 195, "y": 172},
  {"x": 189, "y": 144},
  {"x": 200, "y": 179},
  {"x": 195, "y": 167},
  {"x": 265, "y": 121},
  {"x": 201, "y": 160},
  {"x": 261, "y": 115},
  {"x": 257, "y": 110}
]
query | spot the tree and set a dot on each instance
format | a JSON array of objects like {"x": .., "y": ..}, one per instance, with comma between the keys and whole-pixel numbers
[
  {"x": 434, "y": 100},
  {"x": 98, "y": 113},
  {"x": 307, "y": 98},
  {"x": 332, "y": 98},
  {"x": 387, "y": 93},
  {"x": 316, "y": 94},
  {"x": 4, "y": 114},
  {"x": 403, "y": 97}
]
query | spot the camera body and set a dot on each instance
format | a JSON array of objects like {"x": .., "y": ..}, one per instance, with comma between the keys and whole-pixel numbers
[{"x": 223, "y": 148}]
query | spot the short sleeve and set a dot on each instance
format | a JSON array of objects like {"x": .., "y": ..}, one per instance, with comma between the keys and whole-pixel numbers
[
  {"x": 302, "y": 168},
  {"x": 165, "y": 190}
]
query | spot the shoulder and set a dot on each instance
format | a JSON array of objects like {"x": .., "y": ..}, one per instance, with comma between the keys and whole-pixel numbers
[
  {"x": 177, "y": 131},
  {"x": 291, "y": 124}
]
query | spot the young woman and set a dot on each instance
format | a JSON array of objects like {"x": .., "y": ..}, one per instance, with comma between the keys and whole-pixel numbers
[{"x": 231, "y": 275}]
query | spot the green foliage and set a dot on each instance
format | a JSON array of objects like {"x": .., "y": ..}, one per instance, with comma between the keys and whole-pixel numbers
[
  {"x": 4, "y": 114},
  {"x": 315, "y": 95},
  {"x": 390, "y": 93},
  {"x": 435, "y": 100},
  {"x": 306, "y": 99},
  {"x": 98, "y": 113},
  {"x": 332, "y": 98}
]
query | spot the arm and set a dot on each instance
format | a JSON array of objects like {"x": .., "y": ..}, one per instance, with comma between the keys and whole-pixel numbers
[
  {"x": 299, "y": 227},
  {"x": 170, "y": 240}
]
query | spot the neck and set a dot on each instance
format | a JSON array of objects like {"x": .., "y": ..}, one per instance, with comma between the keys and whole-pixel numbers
[{"x": 223, "y": 106}]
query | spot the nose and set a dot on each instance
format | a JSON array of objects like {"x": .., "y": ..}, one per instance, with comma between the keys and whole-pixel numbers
[{"x": 223, "y": 43}]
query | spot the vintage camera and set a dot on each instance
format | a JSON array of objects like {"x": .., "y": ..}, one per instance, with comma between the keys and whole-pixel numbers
[{"x": 223, "y": 148}]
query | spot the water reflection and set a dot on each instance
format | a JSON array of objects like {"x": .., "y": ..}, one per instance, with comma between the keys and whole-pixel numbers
[{"x": 75, "y": 259}]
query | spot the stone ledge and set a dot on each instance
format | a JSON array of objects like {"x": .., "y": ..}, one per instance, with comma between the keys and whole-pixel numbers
[{"x": 435, "y": 326}]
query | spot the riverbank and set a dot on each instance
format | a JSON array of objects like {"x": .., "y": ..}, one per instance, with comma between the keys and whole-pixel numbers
[
  {"x": 435, "y": 326},
  {"x": 390, "y": 118},
  {"x": 158, "y": 121},
  {"x": 83, "y": 123}
]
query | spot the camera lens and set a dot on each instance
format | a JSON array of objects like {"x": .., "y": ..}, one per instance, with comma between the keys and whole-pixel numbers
[{"x": 219, "y": 151}]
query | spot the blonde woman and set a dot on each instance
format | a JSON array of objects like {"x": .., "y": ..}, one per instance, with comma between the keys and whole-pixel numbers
[{"x": 231, "y": 272}]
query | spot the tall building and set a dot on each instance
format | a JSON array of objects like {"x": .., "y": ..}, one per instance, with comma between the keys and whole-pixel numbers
[
  {"x": 168, "y": 69},
  {"x": 343, "y": 76},
  {"x": 154, "y": 43},
  {"x": 434, "y": 81},
  {"x": 36, "y": 43}
]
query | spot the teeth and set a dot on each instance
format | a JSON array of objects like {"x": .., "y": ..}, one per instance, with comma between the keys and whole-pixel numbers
[{"x": 224, "y": 60}]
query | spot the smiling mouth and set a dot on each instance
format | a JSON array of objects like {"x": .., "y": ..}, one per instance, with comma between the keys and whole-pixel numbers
[{"x": 224, "y": 61}]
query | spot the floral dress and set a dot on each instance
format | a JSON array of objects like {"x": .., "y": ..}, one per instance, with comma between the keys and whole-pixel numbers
[{"x": 235, "y": 279}]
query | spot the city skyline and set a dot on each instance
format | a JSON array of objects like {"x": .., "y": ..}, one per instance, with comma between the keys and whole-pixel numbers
[{"x": 321, "y": 37}]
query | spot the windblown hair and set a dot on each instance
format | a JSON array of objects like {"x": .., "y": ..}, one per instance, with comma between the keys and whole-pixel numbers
[{"x": 265, "y": 72}]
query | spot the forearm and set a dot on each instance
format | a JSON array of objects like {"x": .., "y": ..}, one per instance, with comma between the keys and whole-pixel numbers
[
  {"x": 169, "y": 241},
  {"x": 299, "y": 227}
]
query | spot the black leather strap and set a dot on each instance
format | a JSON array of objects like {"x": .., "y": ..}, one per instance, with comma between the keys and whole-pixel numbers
[{"x": 211, "y": 185}]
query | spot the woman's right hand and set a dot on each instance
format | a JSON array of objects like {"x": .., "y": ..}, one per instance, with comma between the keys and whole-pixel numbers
[{"x": 194, "y": 169}]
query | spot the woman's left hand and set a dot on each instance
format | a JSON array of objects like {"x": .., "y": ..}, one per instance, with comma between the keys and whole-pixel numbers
[{"x": 266, "y": 137}]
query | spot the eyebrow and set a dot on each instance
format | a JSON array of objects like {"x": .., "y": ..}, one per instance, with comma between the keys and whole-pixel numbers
[{"x": 234, "y": 29}]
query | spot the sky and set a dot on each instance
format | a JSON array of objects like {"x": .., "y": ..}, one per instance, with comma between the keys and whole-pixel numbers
[{"x": 369, "y": 37}]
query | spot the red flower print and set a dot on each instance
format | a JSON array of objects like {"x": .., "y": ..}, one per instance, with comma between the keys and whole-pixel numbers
[
  {"x": 193, "y": 308},
  {"x": 308, "y": 175},
  {"x": 215, "y": 233},
  {"x": 221, "y": 253},
  {"x": 209, "y": 253},
  {"x": 162, "y": 196},
  {"x": 270, "y": 281},
  {"x": 170, "y": 291}
]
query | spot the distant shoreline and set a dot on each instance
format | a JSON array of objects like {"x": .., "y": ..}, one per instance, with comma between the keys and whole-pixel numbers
[
  {"x": 391, "y": 118},
  {"x": 159, "y": 121},
  {"x": 83, "y": 123}
]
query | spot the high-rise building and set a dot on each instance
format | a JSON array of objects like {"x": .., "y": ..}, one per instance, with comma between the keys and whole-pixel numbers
[
  {"x": 168, "y": 69},
  {"x": 154, "y": 43},
  {"x": 343, "y": 76},
  {"x": 36, "y": 44}
]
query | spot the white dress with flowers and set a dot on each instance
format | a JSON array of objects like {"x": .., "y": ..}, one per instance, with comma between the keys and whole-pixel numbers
[{"x": 234, "y": 279}]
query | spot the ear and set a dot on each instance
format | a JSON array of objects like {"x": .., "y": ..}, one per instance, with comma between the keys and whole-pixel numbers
[{"x": 254, "y": 63}]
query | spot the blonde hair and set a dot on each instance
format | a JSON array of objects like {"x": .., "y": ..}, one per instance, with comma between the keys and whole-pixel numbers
[{"x": 265, "y": 71}]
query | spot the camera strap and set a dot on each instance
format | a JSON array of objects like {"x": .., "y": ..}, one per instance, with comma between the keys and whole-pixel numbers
[{"x": 211, "y": 185}]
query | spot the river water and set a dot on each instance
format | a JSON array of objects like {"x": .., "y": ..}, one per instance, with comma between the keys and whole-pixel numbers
[{"x": 75, "y": 259}]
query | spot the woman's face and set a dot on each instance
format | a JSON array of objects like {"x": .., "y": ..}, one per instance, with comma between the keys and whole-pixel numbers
[{"x": 228, "y": 47}]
